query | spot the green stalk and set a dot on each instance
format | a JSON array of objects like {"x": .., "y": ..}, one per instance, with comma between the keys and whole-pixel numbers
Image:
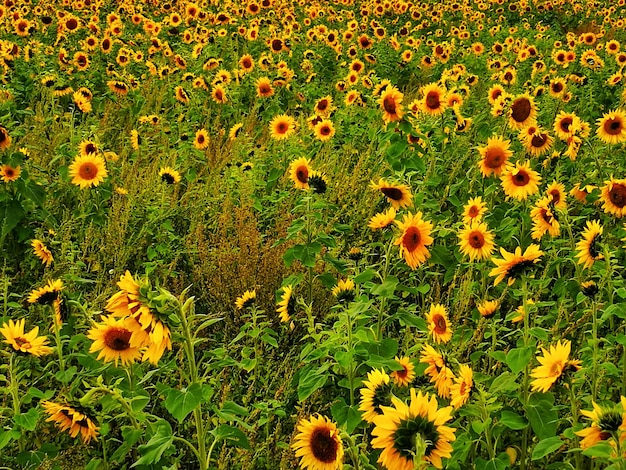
[
  {"x": 574, "y": 404},
  {"x": 525, "y": 384},
  {"x": 383, "y": 301},
  {"x": 15, "y": 393},
  {"x": 594, "y": 339}
]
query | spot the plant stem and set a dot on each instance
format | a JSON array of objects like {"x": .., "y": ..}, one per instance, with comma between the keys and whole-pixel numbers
[
  {"x": 574, "y": 403},
  {"x": 383, "y": 301},
  {"x": 525, "y": 394},
  {"x": 594, "y": 351},
  {"x": 15, "y": 394}
]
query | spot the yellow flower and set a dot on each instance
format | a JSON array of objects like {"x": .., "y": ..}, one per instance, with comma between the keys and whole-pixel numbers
[{"x": 30, "y": 342}]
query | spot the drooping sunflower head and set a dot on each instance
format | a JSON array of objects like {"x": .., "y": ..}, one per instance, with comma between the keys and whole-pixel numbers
[
  {"x": 317, "y": 182},
  {"x": 169, "y": 175},
  {"x": 399, "y": 195},
  {"x": 461, "y": 390},
  {"x": 344, "y": 290},
  {"x": 47, "y": 294},
  {"x": 588, "y": 249},
  {"x": 246, "y": 299},
  {"x": 375, "y": 394},
  {"x": 72, "y": 419},
  {"x": 42, "y": 252},
  {"x": 286, "y": 306},
  {"x": 488, "y": 308}
]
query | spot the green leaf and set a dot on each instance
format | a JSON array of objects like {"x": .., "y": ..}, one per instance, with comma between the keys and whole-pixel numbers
[
  {"x": 601, "y": 450},
  {"x": 130, "y": 436},
  {"x": 542, "y": 416},
  {"x": 546, "y": 446},
  {"x": 139, "y": 402},
  {"x": 310, "y": 380},
  {"x": 12, "y": 213},
  {"x": 512, "y": 420},
  {"x": 365, "y": 276},
  {"x": 306, "y": 254},
  {"x": 7, "y": 436},
  {"x": 67, "y": 375},
  {"x": 505, "y": 382},
  {"x": 387, "y": 348},
  {"x": 387, "y": 288},
  {"x": 31, "y": 190},
  {"x": 232, "y": 435},
  {"x": 161, "y": 441},
  {"x": 182, "y": 402},
  {"x": 27, "y": 420},
  {"x": 232, "y": 408},
  {"x": 518, "y": 358},
  {"x": 346, "y": 415}
]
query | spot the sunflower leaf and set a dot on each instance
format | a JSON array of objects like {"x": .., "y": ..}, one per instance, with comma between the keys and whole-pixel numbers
[
  {"x": 27, "y": 420},
  {"x": 546, "y": 446},
  {"x": 232, "y": 435},
  {"x": 181, "y": 403},
  {"x": 161, "y": 441}
]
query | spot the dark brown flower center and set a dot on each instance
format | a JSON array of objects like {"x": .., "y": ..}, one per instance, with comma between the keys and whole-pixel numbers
[
  {"x": 432, "y": 100},
  {"x": 617, "y": 195},
  {"x": 302, "y": 174},
  {"x": 389, "y": 105},
  {"x": 392, "y": 193},
  {"x": 613, "y": 126},
  {"x": 117, "y": 339},
  {"x": 88, "y": 171},
  {"x": 441, "y": 326},
  {"x": 323, "y": 445},
  {"x": 476, "y": 239},
  {"x": 521, "y": 178},
  {"x": 539, "y": 141},
  {"x": 494, "y": 158},
  {"x": 565, "y": 123},
  {"x": 411, "y": 239},
  {"x": 521, "y": 109}
]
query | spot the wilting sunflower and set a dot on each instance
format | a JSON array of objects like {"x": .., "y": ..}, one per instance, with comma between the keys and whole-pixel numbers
[
  {"x": 544, "y": 219},
  {"x": 382, "y": 220},
  {"x": 375, "y": 394},
  {"x": 406, "y": 375},
  {"x": 344, "y": 290},
  {"x": 414, "y": 238},
  {"x": 398, "y": 195},
  {"x": 513, "y": 264},
  {"x": 324, "y": 130},
  {"x": 554, "y": 363},
  {"x": 30, "y": 342},
  {"x": 299, "y": 172},
  {"x": 245, "y": 300},
  {"x": 71, "y": 420},
  {"x": 404, "y": 430},
  {"x": 487, "y": 309},
  {"x": 522, "y": 112},
  {"x": 112, "y": 339},
  {"x": 437, "y": 369},
  {"x": 47, "y": 294},
  {"x": 317, "y": 182},
  {"x": 169, "y": 175},
  {"x": 10, "y": 173},
  {"x": 612, "y": 127},
  {"x": 88, "y": 170},
  {"x": 580, "y": 192},
  {"x": 5, "y": 139},
  {"x": 474, "y": 210},
  {"x": 201, "y": 141},
  {"x": 520, "y": 181},
  {"x": 433, "y": 100},
  {"x": 438, "y": 324},
  {"x": 605, "y": 424},
  {"x": 494, "y": 156},
  {"x": 282, "y": 127},
  {"x": 461, "y": 389},
  {"x": 588, "y": 249},
  {"x": 613, "y": 197},
  {"x": 286, "y": 307},
  {"x": 318, "y": 444},
  {"x": 42, "y": 252},
  {"x": 390, "y": 102},
  {"x": 476, "y": 241}
]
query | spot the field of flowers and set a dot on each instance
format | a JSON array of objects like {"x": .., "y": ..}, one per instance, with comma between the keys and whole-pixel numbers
[{"x": 269, "y": 234}]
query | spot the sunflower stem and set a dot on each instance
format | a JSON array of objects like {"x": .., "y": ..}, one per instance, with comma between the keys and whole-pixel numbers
[
  {"x": 15, "y": 394},
  {"x": 574, "y": 404},
  {"x": 383, "y": 301},
  {"x": 594, "y": 351},
  {"x": 525, "y": 385}
]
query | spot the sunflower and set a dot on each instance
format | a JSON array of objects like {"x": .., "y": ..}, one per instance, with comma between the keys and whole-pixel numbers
[
  {"x": 462, "y": 388},
  {"x": 521, "y": 311},
  {"x": 47, "y": 294},
  {"x": 476, "y": 241},
  {"x": 218, "y": 94},
  {"x": 112, "y": 339},
  {"x": 245, "y": 300},
  {"x": 246, "y": 63},
  {"x": 433, "y": 102},
  {"x": 438, "y": 324},
  {"x": 375, "y": 394},
  {"x": 538, "y": 143},
  {"x": 437, "y": 369},
  {"x": 554, "y": 363},
  {"x": 324, "y": 106},
  {"x": 565, "y": 124},
  {"x": 201, "y": 141},
  {"x": 344, "y": 290},
  {"x": 30, "y": 342},
  {"x": 404, "y": 431},
  {"x": 398, "y": 195},
  {"x": 169, "y": 175},
  {"x": 264, "y": 87},
  {"x": 318, "y": 444},
  {"x": 324, "y": 130},
  {"x": 414, "y": 238},
  {"x": 474, "y": 210},
  {"x": 88, "y": 170},
  {"x": 317, "y": 182},
  {"x": 390, "y": 102},
  {"x": 494, "y": 156},
  {"x": 71, "y": 420},
  {"x": 544, "y": 219},
  {"x": 487, "y": 309},
  {"x": 299, "y": 172},
  {"x": 382, "y": 220},
  {"x": 613, "y": 197},
  {"x": 589, "y": 288},
  {"x": 556, "y": 192},
  {"x": 135, "y": 139},
  {"x": 513, "y": 264},
  {"x": 282, "y": 127},
  {"x": 520, "y": 181},
  {"x": 87, "y": 148},
  {"x": 522, "y": 112},
  {"x": 605, "y": 423},
  {"x": 495, "y": 92},
  {"x": 406, "y": 375},
  {"x": 235, "y": 131},
  {"x": 5, "y": 139},
  {"x": 588, "y": 250},
  {"x": 117, "y": 87},
  {"x": 286, "y": 307},
  {"x": 42, "y": 252},
  {"x": 612, "y": 127}
]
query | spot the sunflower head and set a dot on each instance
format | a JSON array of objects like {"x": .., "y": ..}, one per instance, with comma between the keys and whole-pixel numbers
[{"x": 318, "y": 444}]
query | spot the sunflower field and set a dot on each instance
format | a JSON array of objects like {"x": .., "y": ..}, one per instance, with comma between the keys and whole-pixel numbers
[{"x": 278, "y": 234}]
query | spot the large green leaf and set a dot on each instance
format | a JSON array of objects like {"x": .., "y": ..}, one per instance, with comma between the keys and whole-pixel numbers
[
  {"x": 512, "y": 420},
  {"x": 346, "y": 415},
  {"x": 310, "y": 380},
  {"x": 232, "y": 435},
  {"x": 542, "y": 416},
  {"x": 518, "y": 358},
  {"x": 27, "y": 420},
  {"x": 12, "y": 213},
  {"x": 153, "y": 450},
  {"x": 546, "y": 446},
  {"x": 181, "y": 403}
]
